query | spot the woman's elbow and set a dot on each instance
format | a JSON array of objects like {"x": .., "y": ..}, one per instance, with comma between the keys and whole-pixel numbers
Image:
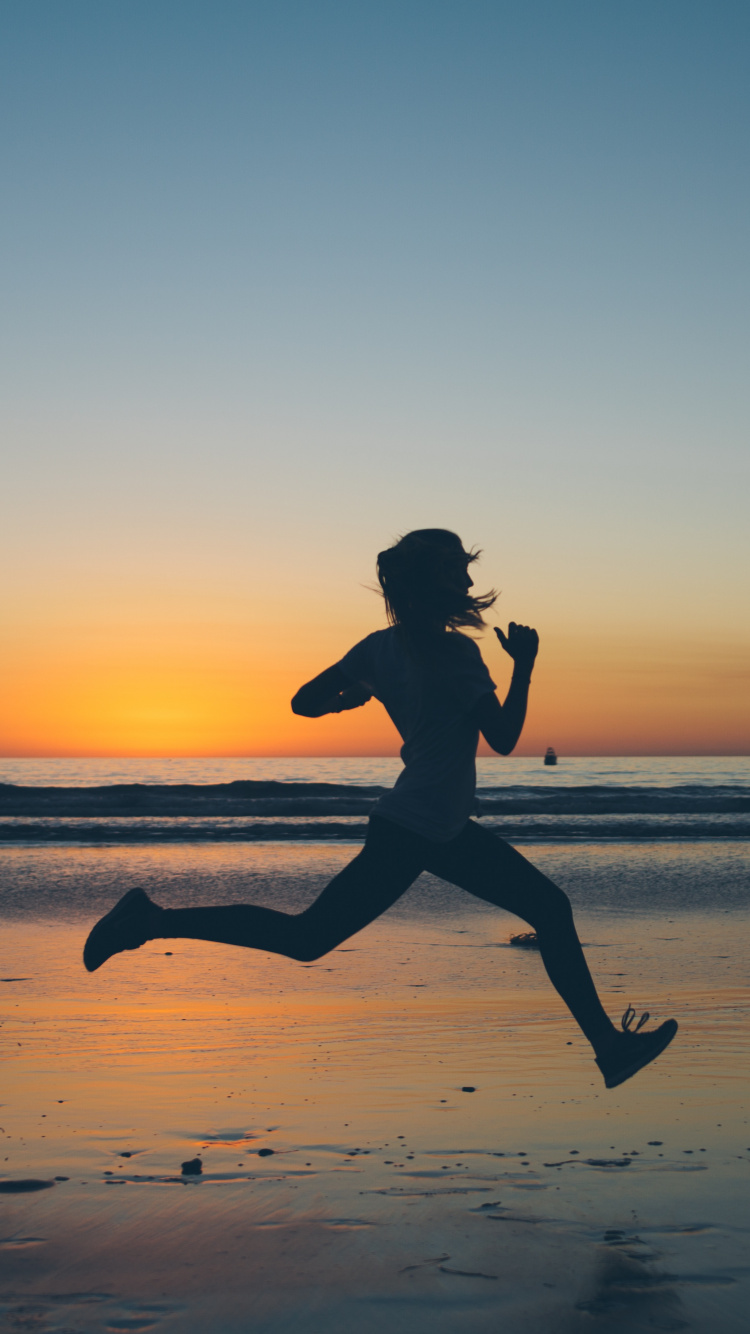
[{"x": 502, "y": 745}]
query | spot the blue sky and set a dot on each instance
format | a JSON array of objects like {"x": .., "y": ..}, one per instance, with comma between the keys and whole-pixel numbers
[{"x": 282, "y": 280}]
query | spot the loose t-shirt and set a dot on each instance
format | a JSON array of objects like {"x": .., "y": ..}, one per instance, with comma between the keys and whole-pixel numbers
[{"x": 430, "y": 701}]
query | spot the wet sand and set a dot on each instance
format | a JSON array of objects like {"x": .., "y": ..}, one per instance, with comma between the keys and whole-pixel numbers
[{"x": 444, "y": 1155}]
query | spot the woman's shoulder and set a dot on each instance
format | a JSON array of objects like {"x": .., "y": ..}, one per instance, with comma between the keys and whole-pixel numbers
[
  {"x": 380, "y": 638},
  {"x": 466, "y": 659},
  {"x": 371, "y": 644},
  {"x": 462, "y": 647}
]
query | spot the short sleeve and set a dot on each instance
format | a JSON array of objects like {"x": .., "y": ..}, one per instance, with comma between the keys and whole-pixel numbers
[
  {"x": 357, "y": 663},
  {"x": 470, "y": 677}
]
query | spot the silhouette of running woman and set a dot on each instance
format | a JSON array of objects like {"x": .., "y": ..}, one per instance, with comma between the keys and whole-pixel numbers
[{"x": 437, "y": 690}]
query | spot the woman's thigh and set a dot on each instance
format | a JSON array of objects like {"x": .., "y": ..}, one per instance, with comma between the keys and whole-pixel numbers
[
  {"x": 490, "y": 868},
  {"x": 388, "y": 864}
]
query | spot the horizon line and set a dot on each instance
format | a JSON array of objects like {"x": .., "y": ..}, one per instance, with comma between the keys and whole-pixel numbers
[{"x": 394, "y": 755}]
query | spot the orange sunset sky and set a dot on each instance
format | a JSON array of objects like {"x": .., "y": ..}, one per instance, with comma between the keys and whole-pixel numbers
[{"x": 285, "y": 282}]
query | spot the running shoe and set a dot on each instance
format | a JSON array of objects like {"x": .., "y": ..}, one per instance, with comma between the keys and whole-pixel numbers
[
  {"x": 126, "y": 927},
  {"x": 632, "y": 1049}
]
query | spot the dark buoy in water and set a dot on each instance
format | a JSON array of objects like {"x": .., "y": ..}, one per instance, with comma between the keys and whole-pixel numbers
[{"x": 550, "y": 756}]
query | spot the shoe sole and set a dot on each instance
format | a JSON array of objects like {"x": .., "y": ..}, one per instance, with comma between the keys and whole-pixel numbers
[{"x": 667, "y": 1032}]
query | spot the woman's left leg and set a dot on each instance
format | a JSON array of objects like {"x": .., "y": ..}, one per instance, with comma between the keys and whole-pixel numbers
[
  {"x": 362, "y": 892},
  {"x": 487, "y": 866},
  {"x": 390, "y": 860}
]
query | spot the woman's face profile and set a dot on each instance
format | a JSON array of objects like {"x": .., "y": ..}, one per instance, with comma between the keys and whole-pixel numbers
[{"x": 458, "y": 573}]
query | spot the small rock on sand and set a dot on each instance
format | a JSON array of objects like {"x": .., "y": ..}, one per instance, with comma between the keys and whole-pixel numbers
[{"x": 22, "y": 1185}]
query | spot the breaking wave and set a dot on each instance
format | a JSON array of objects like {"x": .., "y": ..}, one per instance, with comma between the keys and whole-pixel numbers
[{"x": 257, "y": 809}]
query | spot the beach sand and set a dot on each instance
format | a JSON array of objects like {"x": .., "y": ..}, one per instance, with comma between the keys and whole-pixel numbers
[{"x": 444, "y": 1154}]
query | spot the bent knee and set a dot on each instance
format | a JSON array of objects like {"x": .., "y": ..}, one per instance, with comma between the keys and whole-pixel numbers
[
  {"x": 551, "y": 908},
  {"x": 308, "y": 951},
  {"x": 310, "y": 945}
]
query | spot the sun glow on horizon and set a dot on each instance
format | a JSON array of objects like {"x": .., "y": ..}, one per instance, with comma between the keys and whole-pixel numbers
[{"x": 586, "y": 699}]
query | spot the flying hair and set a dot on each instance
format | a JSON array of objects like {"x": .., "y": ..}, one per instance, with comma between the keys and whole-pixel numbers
[{"x": 421, "y": 577}]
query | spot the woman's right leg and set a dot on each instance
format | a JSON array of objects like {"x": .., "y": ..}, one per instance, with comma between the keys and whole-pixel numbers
[{"x": 370, "y": 884}]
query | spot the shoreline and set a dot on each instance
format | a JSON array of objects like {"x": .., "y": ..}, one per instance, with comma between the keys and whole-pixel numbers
[{"x": 106, "y": 835}]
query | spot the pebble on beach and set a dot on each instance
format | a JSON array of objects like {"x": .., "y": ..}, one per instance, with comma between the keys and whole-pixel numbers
[{"x": 24, "y": 1185}]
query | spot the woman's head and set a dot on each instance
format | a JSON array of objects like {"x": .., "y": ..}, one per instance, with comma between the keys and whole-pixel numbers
[{"x": 425, "y": 581}]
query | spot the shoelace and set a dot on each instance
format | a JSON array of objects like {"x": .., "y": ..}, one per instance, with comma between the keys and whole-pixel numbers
[{"x": 629, "y": 1016}]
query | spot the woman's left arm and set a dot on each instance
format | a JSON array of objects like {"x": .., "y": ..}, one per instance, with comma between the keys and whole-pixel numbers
[
  {"x": 331, "y": 692},
  {"x": 501, "y": 724}
]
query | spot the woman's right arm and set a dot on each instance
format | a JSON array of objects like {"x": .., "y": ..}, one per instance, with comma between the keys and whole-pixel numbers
[{"x": 331, "y": 692}]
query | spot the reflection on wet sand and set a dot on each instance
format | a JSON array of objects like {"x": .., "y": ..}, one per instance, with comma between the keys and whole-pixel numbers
[{"x": 410, "y": 1133}]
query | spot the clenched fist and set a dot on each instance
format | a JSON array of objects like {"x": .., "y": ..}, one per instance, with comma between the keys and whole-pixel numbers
[{"x": 521, "y": 643}]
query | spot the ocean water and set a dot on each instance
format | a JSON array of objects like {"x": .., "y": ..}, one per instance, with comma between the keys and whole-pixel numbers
[
  {"x": 639, "y": 771},
  {"x": 193, "y": 800}
]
